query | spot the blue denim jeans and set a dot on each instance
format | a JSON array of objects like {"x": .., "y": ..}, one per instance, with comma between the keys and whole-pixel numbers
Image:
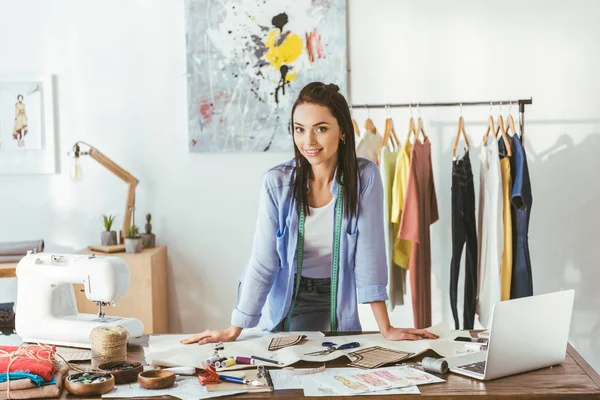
[{"x": 312, "y": 311}]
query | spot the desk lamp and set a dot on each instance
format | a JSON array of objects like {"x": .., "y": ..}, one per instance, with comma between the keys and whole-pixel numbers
[{"x": 76, "y": 175}]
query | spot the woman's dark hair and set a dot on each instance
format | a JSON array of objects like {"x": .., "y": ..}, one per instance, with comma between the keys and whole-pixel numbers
[
  {"x": 330, "y": 97},
  {"x": 21, "y": 96}
]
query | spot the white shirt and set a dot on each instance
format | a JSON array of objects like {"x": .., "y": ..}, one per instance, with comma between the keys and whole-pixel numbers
[
  {"x": 490, "y": 232},
  {"x": 318, "y": 241}
]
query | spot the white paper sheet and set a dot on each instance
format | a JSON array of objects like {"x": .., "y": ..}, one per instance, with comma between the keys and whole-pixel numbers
[
  {"x": 159, "y": 343},
  {"x": 283, "y": 380},
  {"x": 166, "y": 351},
  {"x": 162, "y": 343},
  {"x": 350, "y": 381},
  {"x": 450, "y": 349},
  {"x": 185, "y": 389},
  {"x": 313, "y": 388},
  {"x": 447, "y": 347}
]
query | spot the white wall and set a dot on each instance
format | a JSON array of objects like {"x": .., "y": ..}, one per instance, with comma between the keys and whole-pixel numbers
[{"x": 121, "y": 87}]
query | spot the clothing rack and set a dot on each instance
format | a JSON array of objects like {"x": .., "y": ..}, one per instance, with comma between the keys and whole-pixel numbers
[{"x": 520, "y": 102}]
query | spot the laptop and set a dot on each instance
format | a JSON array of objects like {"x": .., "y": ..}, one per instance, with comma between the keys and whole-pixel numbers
[{"x": 525, "y": 334}]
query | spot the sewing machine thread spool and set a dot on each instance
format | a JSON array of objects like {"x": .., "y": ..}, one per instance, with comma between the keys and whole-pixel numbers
[
  {"x": 244, "y": 360},
  {"x": 225, "y": 363},
  {"x": 217, "y": 363},
  {"x": 213, "y": 359},
  {"x": 435, "y": 365},
  {"x": 108, "y": 344}
]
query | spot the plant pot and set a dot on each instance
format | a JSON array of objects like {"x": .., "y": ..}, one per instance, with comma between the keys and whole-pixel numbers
[
  {"x": 108, "y": 238},
  {"x": 148, "y": 240},
  {"x": 133, "y": 246}
]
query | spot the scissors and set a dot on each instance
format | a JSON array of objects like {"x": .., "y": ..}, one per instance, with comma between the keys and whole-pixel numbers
[{"x": 331, "y": 347}]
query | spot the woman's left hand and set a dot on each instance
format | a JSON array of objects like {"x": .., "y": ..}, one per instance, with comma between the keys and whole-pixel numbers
[{"x": 407, "y": 334}]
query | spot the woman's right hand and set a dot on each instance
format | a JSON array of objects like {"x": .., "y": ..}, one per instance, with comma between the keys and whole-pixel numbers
[{"x": 208, "y": 336}]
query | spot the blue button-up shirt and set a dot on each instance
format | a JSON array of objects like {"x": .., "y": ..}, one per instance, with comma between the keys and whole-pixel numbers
[{"x": 267, "y": 284}]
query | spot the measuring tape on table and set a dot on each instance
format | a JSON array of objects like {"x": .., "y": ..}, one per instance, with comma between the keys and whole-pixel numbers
[{"x": 303, "y": 371}]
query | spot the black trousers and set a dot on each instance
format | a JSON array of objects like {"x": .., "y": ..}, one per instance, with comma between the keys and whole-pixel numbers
[{"x": 463, "y": 231}]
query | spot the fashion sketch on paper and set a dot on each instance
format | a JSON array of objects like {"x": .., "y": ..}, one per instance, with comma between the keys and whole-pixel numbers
[{"x": 20, "y": 127}]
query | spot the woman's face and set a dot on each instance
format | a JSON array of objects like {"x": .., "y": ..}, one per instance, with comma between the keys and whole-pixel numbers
[
  {"x": 19, "y": 97},
  {"x": 316, "y": 133}
]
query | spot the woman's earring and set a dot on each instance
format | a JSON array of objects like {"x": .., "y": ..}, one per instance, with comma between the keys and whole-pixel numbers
[{"x": 343, "y": 139}]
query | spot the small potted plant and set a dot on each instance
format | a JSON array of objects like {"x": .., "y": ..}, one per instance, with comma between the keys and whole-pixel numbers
[
  {"x": 133, "y": 242},
  {"x": 108, "y": 238},
  {"x": 148, "y": 238}
]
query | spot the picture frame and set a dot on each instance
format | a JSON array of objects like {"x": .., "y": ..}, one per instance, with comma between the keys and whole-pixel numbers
[{"x": 27, "y": 129}]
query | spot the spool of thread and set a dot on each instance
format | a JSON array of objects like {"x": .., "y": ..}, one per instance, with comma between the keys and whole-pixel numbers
[
  {"x": 213, "y": 359},
  {"x": 218, "y": 362},
  {"x": 109, "y": 344},
  {"x": 244, "y": 360},
  {"x": 435, "y": 365},
  {"x": 225, "y": 363}
]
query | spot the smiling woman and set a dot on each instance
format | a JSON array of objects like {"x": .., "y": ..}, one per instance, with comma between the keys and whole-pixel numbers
[
  {"x": 319, "y": 243},
  {"x": 321, "y": 145}
]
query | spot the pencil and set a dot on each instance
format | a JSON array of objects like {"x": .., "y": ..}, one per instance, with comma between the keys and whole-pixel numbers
[{"x": 266, "y": 360}]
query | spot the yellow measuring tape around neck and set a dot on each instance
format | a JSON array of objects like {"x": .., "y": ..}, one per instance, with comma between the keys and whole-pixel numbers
[{"x": 335, "y": 260}]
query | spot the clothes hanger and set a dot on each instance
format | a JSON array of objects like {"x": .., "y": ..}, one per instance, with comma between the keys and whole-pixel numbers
[
  {"x": 420, "y": 126},
  {"x": 510, "y": 122},
  {"x": 394, "y": 137},
  {"x": 461, "y": 129},
  {"x": 389, "y": 134},
  {"x": 386, "y": 132},
  {"x": 411, "y": 126},
  {"x": 503, "y": 130},
  {"x": 354, "y": 124},
  {"x": 490, "y": 127},
  {"x": 369, "y": 125}
]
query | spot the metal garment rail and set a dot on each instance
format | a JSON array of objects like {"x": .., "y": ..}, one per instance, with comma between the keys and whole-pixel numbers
[{"x": 520, "y": 102}]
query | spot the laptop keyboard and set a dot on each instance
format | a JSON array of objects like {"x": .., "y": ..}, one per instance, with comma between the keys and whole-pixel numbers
[{"x": 478, "y": 367}]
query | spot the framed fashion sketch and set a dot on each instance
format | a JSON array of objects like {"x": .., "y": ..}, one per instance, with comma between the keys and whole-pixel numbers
[
  {"x": 27, "y": 135},
  {"x": 247, "y": 60}
]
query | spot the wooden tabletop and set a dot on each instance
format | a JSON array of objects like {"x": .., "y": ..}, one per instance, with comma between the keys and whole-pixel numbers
[
  {"x": 574, "y": 378},
  {"x": 8, "y": 270}
]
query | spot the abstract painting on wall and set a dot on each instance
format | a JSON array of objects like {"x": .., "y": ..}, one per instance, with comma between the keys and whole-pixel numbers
[{"x": 247, "y": 60}]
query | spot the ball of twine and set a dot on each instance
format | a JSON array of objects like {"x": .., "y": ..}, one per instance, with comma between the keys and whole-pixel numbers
[{"x": 109, "y": 344}]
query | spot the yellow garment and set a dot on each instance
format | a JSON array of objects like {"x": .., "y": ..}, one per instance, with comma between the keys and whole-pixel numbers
[
  {"x": 401, "y": 247},
  {"x": 396, "y": 281},
  {"x": 506, "y": 267}
]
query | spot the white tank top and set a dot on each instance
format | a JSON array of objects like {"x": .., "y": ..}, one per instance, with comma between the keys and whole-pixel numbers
[{"x": 318, "y": 241}]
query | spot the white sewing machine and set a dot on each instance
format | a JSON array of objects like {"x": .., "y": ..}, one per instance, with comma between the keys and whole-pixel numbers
[{"x": 46, "y": 309}]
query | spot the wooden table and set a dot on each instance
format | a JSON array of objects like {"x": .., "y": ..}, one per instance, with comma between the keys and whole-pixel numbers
[
  {"x": 573, "y": 379},
  {"x": 8, "y": 270}
]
